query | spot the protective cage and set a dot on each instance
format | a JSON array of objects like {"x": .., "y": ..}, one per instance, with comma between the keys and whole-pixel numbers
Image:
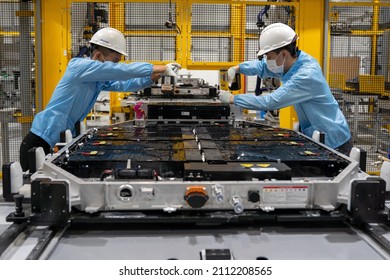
[
  {"x": 17, "y": 75},
  {"x": 359, "y": 74}
]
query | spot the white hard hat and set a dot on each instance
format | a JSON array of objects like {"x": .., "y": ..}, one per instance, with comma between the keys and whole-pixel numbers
[
  {"x": 110, "y": 38},
  {"x": 275, "y": 36}
]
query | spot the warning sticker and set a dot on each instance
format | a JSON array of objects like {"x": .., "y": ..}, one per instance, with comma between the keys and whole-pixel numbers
[{"x": 278, "y": 194}]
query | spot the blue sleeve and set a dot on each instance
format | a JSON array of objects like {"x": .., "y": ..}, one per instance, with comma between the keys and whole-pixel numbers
[
  {"x": 297, "y": 89},
  {"x": 256, "y": 68},
  {"x": 130, "y": 85},
  {"x": 87, "y": 70}
]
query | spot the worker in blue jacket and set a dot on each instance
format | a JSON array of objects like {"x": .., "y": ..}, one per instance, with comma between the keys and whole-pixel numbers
[
  {"x": 78, "y": 89},
  {"x": 303, "y": 85}
]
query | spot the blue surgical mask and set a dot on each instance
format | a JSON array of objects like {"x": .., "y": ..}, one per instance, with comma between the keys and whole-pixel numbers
[{"x": 273, "y": 67}]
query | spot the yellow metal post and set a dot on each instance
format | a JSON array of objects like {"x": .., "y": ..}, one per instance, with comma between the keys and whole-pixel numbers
[
  {"x": 183, "y": 44},
  {"x": 237, "y": 31},
  {"x": 55, "y": 51},
  {"x": 310, "y": 29},
  {"x": 238, "y": 36},
  {"x": 374, "y": 41},
  {"x": 117, "y": 16}
]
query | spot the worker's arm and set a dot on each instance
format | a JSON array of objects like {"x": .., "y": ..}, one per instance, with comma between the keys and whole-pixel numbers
[
  {"x": 129, "y": 85},
  {"x": 87, "y": 70},
  {"x": 296, "y": 90},
  {"x": 170, "y": 69},
  {"x": 141, "y": 83}
]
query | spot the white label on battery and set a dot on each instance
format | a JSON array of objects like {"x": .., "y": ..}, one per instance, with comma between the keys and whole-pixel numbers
[
  {"x": 285, "y": 194},
  {"x": 257, "y": 169},
  {"x": 185, "y": 113}
]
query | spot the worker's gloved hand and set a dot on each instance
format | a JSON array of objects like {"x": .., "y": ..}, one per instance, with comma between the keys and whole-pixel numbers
[
  {"x": 231, "y": 74},
  {"x": 225, "y": 96},
  {"x": 174, "y": 66},
  {"x": 169, "y": 72}
]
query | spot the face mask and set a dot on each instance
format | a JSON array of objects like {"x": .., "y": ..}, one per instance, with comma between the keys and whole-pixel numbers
[{"x": 273, "y": 67}]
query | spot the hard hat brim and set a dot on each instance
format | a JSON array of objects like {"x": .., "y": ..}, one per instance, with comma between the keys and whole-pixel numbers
[
  {"x": 264, "y": 51},
  {"x": 260, "y": 52},
  {"x": 124, "y": 54}
]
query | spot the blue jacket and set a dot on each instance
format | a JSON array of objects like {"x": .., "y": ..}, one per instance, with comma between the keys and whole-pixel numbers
[
  {"x": 305, "y": 87},
  {"x": 77, "y": 91}
]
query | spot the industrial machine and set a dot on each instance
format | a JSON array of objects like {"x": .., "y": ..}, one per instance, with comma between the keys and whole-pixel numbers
[{"x": 195, "y": 166}]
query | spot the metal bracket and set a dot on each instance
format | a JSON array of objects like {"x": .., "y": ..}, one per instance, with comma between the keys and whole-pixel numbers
[
  {"x": 368, "y": 200},
  {"x": 49, "y": 202}
]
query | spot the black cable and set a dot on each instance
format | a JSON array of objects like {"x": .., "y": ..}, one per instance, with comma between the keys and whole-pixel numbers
[{"x": 170, "y": 11}]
